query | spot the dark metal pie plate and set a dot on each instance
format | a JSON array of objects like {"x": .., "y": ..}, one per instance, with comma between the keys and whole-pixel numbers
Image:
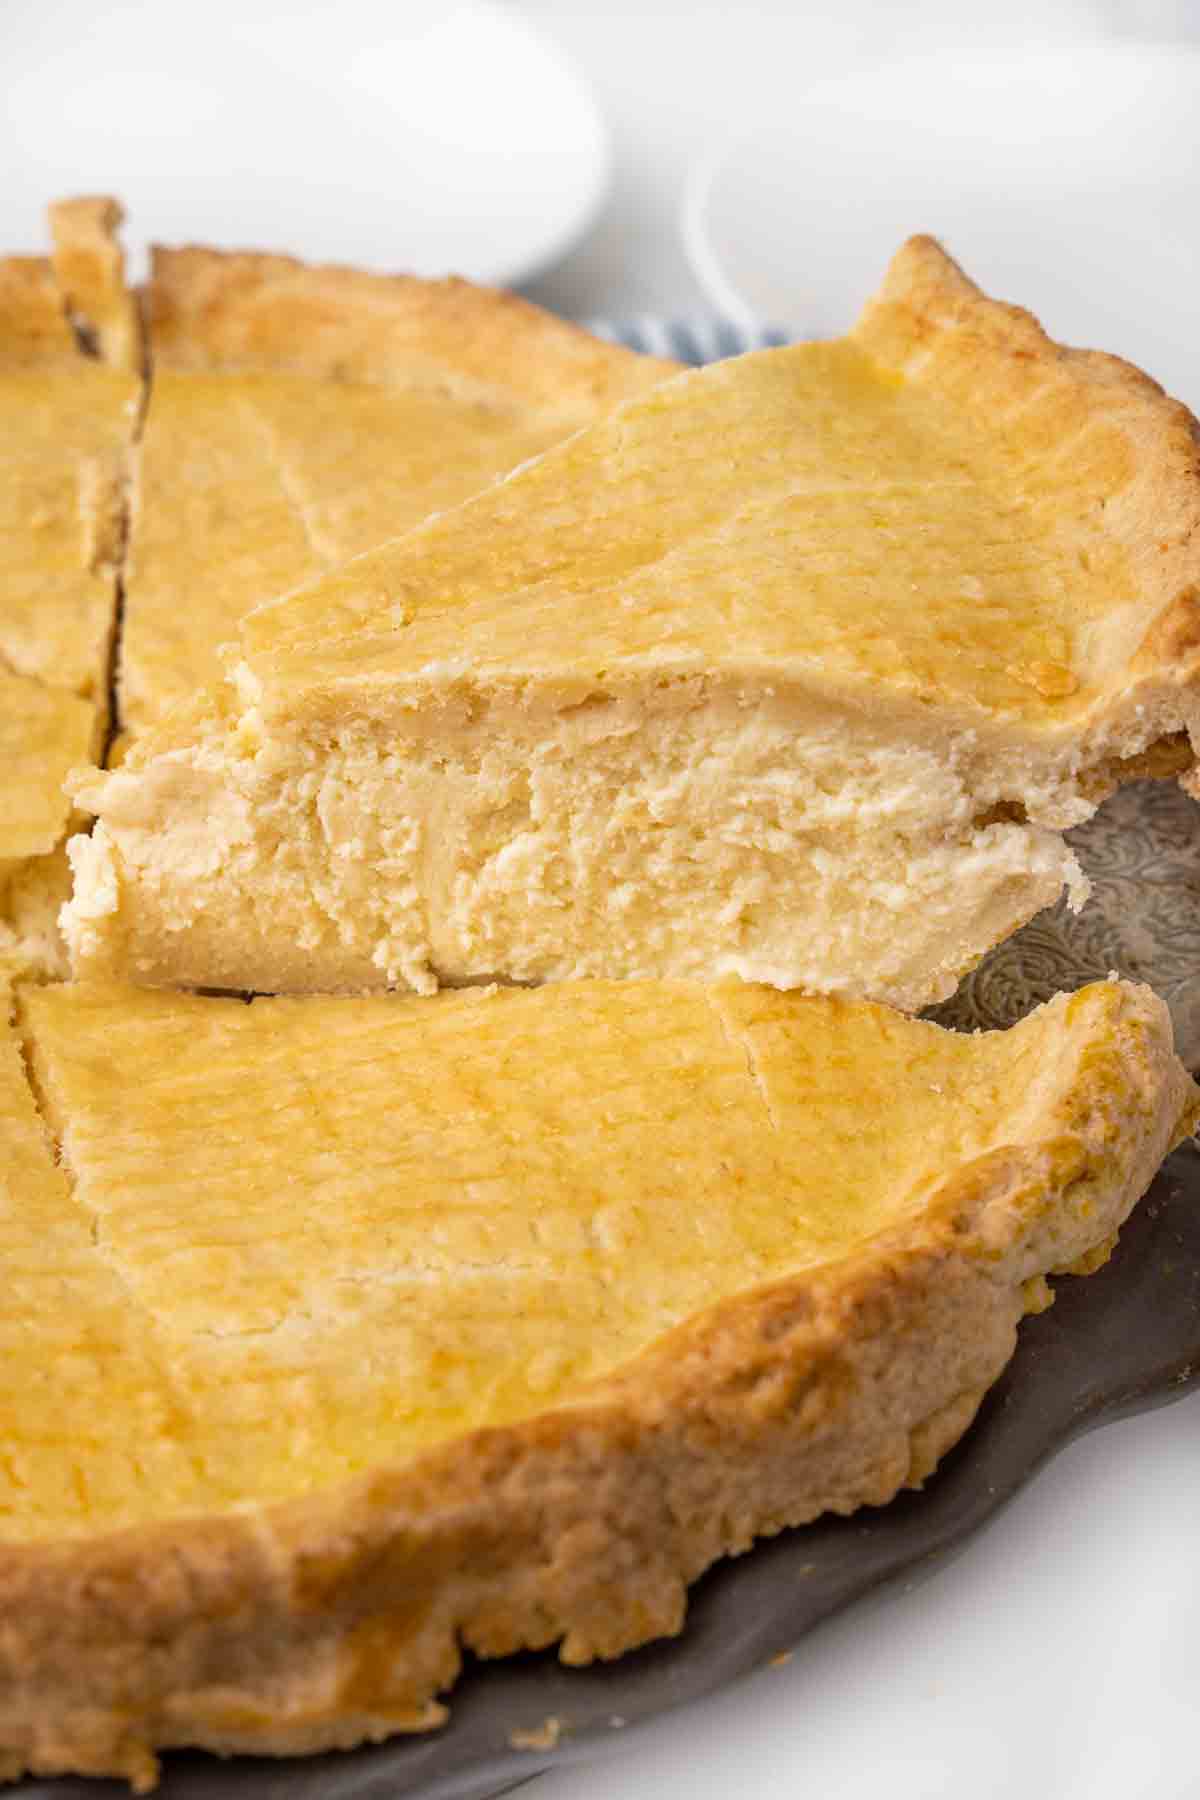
[{"x": 1125, "y": 1339}]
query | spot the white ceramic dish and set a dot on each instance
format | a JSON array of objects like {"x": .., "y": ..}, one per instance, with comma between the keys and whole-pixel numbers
[
  {"x": 392, "y": 136},
  {"x": 1066, "y": 178}
]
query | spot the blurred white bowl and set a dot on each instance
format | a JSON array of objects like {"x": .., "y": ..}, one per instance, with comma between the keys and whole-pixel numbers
[
  {"x": 389, "y": 133},
  {"x": 1066, "y": 179}
]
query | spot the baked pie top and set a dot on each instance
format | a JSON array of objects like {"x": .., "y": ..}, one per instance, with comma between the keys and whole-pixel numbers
[
  {"x": 343, "y": 1231},
  {"x": 299, "y": 415},
  {"x": 66, "y": 422},
  {"x": 945, "y": 507},
  {"x": 346, "y": 1331}
]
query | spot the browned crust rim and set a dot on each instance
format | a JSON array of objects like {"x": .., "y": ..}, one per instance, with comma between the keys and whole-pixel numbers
[
  {"x": 245, "y": 310},
  {"x": 89, "y": 266},
  {"x": 929, "y": 314},
  {"x": 336, "y": 1619}
]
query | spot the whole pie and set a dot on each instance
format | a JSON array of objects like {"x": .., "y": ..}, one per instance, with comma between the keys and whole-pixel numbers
[
  {"x": 794, "y": 667},
  {"x": 345, "y": 1333}
]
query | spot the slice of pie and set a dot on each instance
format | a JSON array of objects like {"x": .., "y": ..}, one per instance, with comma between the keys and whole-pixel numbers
[
  {"x": 349, "y": 1333},
  {"x": 67, "y": 419},
  {"x": 794, "y": 668},
  {"x": 299, "y": 415}
]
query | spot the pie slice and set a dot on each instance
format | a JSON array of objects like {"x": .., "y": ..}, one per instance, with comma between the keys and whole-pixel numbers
[
  {"x": 66, "y": 423},
  {"x": 299, "y": 415},
  {"x": 794, "y": 668},
  {"x": 350, "y": 1332}
]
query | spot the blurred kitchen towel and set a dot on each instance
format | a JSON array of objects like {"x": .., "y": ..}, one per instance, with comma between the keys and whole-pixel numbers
[{"x": 695, "y": 341}]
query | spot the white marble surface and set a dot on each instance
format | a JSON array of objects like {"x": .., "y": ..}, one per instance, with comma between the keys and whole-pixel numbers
[{"x": 1059, "y": 1656}]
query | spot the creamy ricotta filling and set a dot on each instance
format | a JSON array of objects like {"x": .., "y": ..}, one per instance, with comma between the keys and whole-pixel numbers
[{"x": 604, "y": 841}]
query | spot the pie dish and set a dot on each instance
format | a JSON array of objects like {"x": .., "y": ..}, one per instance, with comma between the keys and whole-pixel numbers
[
  {"x": 67, "y": 421},
  {"x": 395, "y": 1326},
  {"x": 813, "y": 710}
]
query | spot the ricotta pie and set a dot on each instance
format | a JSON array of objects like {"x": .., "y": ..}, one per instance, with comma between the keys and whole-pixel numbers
[
  {"x": 341, "y": 1335},
  {"x": 794, "y": 668},
  {"x": 299, "y": 415},
  {"x": 66, "y": 423}
]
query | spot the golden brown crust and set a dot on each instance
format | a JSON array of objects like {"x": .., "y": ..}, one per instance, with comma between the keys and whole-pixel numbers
[
  {"x": 46, "y": 304},
  {"x": 1141, "y": 448},
  {"x": 339, "y": 1618},
  {"x": 89, "y": 266},
  {"x": 34, "y": 331},
  {"x": 321, "y": 410},
  {"x": 231, "y": 310},
  {"x": 67, "y": 426}
]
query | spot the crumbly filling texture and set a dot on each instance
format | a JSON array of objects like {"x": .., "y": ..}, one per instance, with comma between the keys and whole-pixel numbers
[
  {"x": 609, "y": 841},
  {"x": 87, "y": 1418},
  {"x": 291, "y": 1240}
]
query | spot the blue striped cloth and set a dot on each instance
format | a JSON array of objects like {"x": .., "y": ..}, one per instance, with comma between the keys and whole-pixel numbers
[{"x": 695, "y": 341}]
